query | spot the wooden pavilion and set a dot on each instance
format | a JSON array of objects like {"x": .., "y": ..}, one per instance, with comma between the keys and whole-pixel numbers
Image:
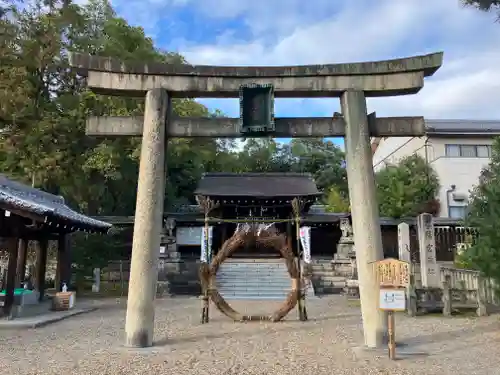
[
  {"x": 260, "y": 197},
  {"x": 28, "y": 214}
]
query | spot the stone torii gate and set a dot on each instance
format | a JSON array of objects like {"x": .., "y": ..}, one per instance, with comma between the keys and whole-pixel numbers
[{"x": 352, "y": 83}]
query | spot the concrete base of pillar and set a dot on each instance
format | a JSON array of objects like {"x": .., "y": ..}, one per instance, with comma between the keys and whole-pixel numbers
[
  {"x": 403, "y": 351},
  {"x": 139, "y": 339},
  {"x": 150, "y": 350}
]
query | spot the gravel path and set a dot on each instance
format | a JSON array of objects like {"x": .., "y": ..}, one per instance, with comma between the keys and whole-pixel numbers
[{"x": 91, "y": 343}]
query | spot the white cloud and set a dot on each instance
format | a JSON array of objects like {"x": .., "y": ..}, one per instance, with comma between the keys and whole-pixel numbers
[{"x": 467, "y": 85}]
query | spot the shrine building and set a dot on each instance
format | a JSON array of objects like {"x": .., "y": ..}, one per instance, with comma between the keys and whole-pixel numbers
[{"x": 266, "y": 199}]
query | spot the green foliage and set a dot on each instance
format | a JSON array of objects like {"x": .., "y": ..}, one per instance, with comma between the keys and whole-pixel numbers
[
  {"x": 463, "y": 261},
  {"x": 336, "y": 201},
  {"x": 91, "y": 251},
  {"x": 484, "y": 5},
  {"x": 484, "y": 215},
  {"x": 44, "y": 105},
  {"x": 323, "y": 159},
  {"x": 406, "y": 189}
]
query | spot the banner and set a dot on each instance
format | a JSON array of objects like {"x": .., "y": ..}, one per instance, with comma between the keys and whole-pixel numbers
[
  {"x": 206, "y": 246},
  {"x": 305, "y": 241}
]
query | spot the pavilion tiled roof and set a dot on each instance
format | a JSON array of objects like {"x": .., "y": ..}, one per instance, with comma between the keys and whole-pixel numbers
[
  {"x": 15, "y": 195},
  {"x": 257, "y": 185}
]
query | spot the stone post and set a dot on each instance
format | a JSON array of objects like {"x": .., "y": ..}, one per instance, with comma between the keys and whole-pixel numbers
[
  {"x": 404, "y": 254},
  {"x": 365, "y": 214},
  {"x": 344, "y": 259},
  {"x": 139, "y": 324},
  {"x": 429, "y": 269},
  {"x": 404, "y": 242},
  {"x": 96, "y": 286}
]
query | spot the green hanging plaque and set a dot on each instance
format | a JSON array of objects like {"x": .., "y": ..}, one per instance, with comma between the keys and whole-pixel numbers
[{"x": 256, "y": 109}]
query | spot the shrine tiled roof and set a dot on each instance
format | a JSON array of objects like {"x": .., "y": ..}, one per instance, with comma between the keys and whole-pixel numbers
[
  {"x": 257, "y": 185},
  {"x": 23, "y": 198}
]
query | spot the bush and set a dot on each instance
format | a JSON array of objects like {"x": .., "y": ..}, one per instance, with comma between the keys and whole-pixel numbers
[
  {"x": 484, "y": 215},
  {"x": 408, "y": 189}
]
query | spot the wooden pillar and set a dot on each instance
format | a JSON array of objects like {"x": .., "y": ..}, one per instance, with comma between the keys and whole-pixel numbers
[
  {"x": 41, "y": 266},
  {"x": 66, "y": 271},
  {"x": 63, "y": 267},
  {"x": 289, "y": 235},
  {"x": 22, "y": 253},
  {"x": 11, "y": 275},
  {"x": 224, "y": 233}
]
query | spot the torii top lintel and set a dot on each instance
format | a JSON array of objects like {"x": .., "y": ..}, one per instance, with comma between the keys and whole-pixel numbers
[{"x": 376, "y": 78}]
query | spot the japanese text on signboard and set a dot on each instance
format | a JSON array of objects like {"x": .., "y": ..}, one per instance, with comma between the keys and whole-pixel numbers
[{"x": 393, "y": 273}]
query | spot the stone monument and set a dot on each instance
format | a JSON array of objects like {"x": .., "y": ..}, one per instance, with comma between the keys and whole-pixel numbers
[
  {"x": 344, "y": 260},
  {"x": 345, "y": 247}
]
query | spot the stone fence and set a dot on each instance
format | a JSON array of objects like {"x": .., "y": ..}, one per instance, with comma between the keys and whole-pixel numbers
[
  {"x": 460, "y": 289},
  {"x": 441, "y": 286}
]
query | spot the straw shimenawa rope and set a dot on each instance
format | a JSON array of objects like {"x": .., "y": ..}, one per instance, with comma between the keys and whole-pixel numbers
[{"x": 267, "y": 238}]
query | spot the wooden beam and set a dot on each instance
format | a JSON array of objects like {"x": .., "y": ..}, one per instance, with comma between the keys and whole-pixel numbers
[{"x": 286, "y": 127}]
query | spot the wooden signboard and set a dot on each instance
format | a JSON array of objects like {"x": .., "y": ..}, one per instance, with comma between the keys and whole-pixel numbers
[
  {"x": 393, "y": 273},
  {"x": 63, "y": 301},
  {"x": 393, "y": 276}
]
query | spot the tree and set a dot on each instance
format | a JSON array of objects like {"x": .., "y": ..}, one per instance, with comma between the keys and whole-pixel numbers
[
  {"x": 90, "y": 251},
  {"x": 484, "y": 5},
  {"x": 336, "y": 201},
  {"x": 484, "y": 216},
  {"x": 323, "y": 159},
  {"x": 44, "y": 105},
  {"x": 407, "y": 189}
]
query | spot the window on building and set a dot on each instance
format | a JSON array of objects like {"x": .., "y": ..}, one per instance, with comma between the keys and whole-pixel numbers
[
  {"x": 483, "y": 151},
  {"x": 457, "y": 212},
  {"x": 467, "y": 151},
  {"x": 452, "y": 151}
]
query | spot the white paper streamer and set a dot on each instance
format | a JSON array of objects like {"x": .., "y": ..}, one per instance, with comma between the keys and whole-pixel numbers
[
  {"x": 305, "y": 241},
  {"x": 206, "y": 252}
]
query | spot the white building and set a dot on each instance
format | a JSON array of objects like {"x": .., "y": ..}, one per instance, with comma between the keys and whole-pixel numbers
[{"x": 457, "y": 150}]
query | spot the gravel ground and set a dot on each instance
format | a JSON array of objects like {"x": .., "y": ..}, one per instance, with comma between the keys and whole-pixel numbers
[{"x": 92, "y": 343}]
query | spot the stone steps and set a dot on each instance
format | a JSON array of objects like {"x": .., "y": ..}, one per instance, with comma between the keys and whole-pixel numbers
[
  {"x": 181, "y": 278},
  {"x": 255, "y": 280},
  {"x": 326, "y": 279}
]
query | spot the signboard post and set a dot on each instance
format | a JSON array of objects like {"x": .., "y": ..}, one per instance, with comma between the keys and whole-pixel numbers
[{"x": 393, "y": 276}]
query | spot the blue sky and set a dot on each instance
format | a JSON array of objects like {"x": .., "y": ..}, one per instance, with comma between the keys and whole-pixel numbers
[{"x": 288, "y": 32}]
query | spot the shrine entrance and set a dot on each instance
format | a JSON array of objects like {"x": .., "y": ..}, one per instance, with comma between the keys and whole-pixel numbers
[
  {"x": 256, "y": 236},
  {"x": 256, "y": 88}
]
